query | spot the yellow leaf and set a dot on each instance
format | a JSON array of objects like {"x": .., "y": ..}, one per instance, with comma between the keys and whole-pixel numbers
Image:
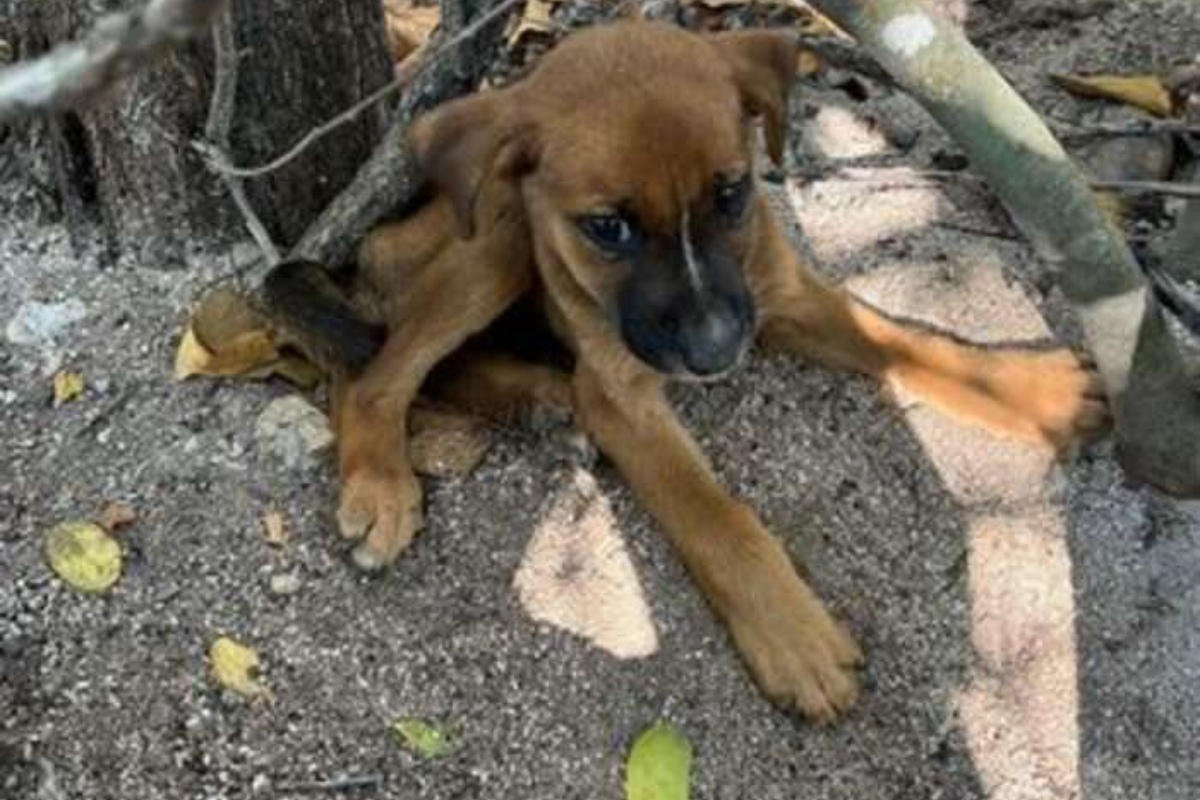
[
  {"x": 236, "y": 667},
  {"x": 241, "y": 356},
  {"x": 1146, "y": 92},
  {"x": 84, "y": 555},
  {"x": 274, "y": 528},
  {"x": 67, "y": 386}
]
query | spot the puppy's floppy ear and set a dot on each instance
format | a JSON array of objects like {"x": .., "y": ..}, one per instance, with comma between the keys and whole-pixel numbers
[
  {"x": 465, "y": 142},
  {"x": 764, "y": 66}
]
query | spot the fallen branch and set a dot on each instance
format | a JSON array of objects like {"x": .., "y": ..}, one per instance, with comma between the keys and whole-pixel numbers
[
  {"x": 117, "y": 46},
  {"x": 390, "y": 177},
  {"x": 1156, "y": 412},
  {"x": 216, "y": 130}
]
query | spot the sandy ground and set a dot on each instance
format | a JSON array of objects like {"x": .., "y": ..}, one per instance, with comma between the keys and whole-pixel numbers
[{"x": 1033, "y": 631}]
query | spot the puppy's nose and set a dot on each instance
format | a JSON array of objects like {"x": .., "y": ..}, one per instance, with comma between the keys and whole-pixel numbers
[{"x": 713, "y": 343}]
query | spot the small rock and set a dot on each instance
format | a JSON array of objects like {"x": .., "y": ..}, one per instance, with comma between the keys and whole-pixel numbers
[
  {"x": 292, "y": 429},
  {"x": 39, "y": 323},
  {"x": 245, "y": 254},
  {"x": 446, "y": 445},
  {"x": 285, "y": 584}
]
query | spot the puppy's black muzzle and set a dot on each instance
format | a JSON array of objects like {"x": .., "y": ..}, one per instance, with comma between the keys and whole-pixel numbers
[{"x": 691, "y": 336}]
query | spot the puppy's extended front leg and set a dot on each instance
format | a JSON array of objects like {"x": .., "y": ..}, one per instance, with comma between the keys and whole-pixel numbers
[
  {"x": 454, "y": 295},
  {"x": 797, "y": 653},
  {"x": 1044, "y": 396}
]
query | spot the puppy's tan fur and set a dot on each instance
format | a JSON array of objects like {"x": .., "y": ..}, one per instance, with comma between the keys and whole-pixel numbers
[{"x": 649, "y": 113}]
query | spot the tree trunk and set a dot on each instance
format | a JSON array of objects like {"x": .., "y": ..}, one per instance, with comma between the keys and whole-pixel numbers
[{"x": 124, "y": 167}]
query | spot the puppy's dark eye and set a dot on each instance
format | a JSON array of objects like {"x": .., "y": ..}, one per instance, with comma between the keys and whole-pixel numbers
[
  {"x": 612, "y": 232},
  {"x": 730, "y": 197}
]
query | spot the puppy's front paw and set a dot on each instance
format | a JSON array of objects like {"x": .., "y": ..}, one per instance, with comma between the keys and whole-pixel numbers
[
  {"x": 799, "y": 656},
  {"x": 1059, "y": 396},
  {"x": 383, "y": 509}
]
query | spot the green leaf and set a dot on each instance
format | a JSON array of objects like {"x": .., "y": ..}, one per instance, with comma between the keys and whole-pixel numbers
[
  {"x": 421, "y": 737},
  {"x": 659, "y": 766}
]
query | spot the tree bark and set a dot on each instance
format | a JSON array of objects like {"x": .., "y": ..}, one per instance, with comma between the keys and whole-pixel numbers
[{"x": 123, "y": 166}]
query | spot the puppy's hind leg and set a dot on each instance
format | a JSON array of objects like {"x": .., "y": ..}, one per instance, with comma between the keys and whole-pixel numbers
[{"x": 501, "y": 386}]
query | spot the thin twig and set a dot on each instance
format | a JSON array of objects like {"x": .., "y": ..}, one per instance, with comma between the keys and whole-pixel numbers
[
  {"x": 222, "y": 165},
  {"x": 216, "y": 129},
  {"x": 903, "y": 177},
  {"x": 835, "y": 171},
  {"x": 1145, "y": 127},
  {"x": 370, "y": 780},
  {"x": 1150, "y": 187},
  {"x": 117, "y": 46}
]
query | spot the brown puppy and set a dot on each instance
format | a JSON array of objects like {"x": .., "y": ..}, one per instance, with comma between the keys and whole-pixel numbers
[{"x": 614, "y": 187}]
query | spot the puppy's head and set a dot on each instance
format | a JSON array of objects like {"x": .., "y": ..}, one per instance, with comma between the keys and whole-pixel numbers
[{"x": 632, "y": 143}]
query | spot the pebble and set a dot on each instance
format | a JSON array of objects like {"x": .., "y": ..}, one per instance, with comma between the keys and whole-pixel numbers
[
  {"x": 283, "y": 585},
  {"x": 294, "y": 430},
  {"x": 39, "y": 323}
]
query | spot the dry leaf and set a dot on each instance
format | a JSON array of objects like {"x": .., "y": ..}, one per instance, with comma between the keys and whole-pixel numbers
[
  {"x": 244, "y": 355},
  {"x": 1146, "y": 92},
  {"x": 535, "y": 20},
  {"x": 808, "y": 63},
  {"x": 227, "y": 337},
  {"x": 236, "y": 667},
  {"x": 1183, "y": 82},
  {"x": 446, "y": 444},
  {"x": 276, "y": 532},
  {"x": 67, "y": 386},
  {"x": 817, "y": 24},
  {"x": 408, "y": 27},
  {"x": 116, "y": 515},
  {"x": 84, "y": 555}
]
